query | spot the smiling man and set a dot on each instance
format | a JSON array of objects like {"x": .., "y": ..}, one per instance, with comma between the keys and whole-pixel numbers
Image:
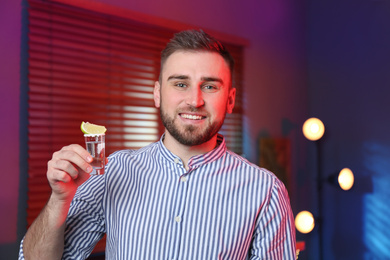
[
  {"x": 184, "y": 197},
  {"x": 194, "y": 94}
]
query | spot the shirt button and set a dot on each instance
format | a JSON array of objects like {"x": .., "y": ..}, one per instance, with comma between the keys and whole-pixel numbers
[
  {"x": 177, "y": 219},
  {"x": 183, "y": 179},
  {"x": 176, "y": 160}
]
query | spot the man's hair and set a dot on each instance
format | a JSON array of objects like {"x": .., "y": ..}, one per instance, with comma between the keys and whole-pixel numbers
[{"x": 194, "y": 40}]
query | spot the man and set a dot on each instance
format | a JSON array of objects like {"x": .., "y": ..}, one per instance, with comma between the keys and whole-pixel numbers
[{"x": 184, "y": 197}]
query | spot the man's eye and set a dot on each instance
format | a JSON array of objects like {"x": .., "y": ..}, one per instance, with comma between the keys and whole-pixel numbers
[
  {"x": 180, "y": 85},
  {"x": 210, "y": 88}
]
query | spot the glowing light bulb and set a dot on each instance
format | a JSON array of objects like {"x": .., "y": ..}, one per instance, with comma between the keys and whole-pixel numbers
[
  {"x": 313, "y": 129},
  {"x": 346, "y": 179},
  {"x": 304, "y": 222}
]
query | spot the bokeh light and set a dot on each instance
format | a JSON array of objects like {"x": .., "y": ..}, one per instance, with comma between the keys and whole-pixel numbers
[
  {"x": 346, "y": 179},
  {"x": 304, "y": 222},
  {"x": 313, "y": 129}
]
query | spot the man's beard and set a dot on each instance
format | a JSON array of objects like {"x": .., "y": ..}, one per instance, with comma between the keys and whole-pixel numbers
[{"x": 190, "y": 135}]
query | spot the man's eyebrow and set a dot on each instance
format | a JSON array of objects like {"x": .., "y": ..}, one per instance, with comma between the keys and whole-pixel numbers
[
  {"x": 178, "y": 77},
  {"x": 212, "y": 79},
  {"x": 204, "y": 79}
]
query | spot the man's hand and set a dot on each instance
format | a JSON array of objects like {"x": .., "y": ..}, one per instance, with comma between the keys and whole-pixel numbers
[{"x": 67, "y": 170}]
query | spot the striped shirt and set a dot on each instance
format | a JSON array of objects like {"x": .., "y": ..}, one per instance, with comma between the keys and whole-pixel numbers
[{"x": 151, "y": 207}]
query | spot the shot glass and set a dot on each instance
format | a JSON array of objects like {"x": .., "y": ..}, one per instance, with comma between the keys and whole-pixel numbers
[{"x": 95, "y": 145}]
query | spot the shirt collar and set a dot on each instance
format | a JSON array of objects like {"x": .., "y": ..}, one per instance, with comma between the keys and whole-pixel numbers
[{"x": 197, "y": 160}]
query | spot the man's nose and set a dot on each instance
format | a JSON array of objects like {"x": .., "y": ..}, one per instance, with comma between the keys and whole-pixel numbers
[{"x": 195, "y": 97}]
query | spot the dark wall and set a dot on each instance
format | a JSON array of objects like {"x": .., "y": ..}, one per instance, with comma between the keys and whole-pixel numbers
[{"x": 349, "y": 78}]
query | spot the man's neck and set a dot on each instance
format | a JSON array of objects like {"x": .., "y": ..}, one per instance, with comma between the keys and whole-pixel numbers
[{"x": 185, "y": 152}]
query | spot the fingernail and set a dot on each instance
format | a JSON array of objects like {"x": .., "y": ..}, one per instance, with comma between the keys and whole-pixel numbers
[
  {"x": 89, "y": 158},
  {"x": 89, "y": 169}
]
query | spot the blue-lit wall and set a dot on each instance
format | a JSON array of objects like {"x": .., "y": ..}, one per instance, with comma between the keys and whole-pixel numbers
[{"x": 349, "y": 89}]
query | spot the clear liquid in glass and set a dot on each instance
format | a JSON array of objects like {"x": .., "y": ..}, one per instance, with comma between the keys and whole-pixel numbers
[{"x": 96, "y": 147}]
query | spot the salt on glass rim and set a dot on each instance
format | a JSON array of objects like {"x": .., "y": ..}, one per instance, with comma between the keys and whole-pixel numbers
[{"x": 86, "y": 135}]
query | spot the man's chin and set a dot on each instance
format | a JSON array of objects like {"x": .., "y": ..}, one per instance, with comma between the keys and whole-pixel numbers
[
  {"x": 189, "y": 135},
  {"x": 192, "y": 140}
]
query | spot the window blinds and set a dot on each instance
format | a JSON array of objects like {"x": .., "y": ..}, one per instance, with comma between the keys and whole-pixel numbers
[{"x": 88, "y": 66}]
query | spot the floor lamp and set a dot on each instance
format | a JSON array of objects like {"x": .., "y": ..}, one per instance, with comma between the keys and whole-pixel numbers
[{"x": 313, "y": 129}]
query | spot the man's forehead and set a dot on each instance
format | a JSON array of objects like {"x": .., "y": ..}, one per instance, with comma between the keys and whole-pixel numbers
[{"x": 181, "y": 61}]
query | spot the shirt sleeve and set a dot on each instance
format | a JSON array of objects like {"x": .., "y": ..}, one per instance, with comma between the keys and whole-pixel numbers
[
  {"x": 21, "y": 254},
  {"x": 274, "y": 236},
  {"x": 85, "y": 223}
]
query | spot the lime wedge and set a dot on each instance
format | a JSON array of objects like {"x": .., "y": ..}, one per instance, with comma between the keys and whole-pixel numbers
[{"x": 88, "y": 128}]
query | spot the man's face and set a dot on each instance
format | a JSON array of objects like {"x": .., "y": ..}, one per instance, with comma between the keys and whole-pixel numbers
[{"x": 194, "y": 95}]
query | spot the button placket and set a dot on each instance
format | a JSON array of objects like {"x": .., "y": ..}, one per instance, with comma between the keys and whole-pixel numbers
[{"x": 179, "y": 205}]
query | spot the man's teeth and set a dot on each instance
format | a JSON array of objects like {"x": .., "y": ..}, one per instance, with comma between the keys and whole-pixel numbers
[{"x": 193, "y": 117}]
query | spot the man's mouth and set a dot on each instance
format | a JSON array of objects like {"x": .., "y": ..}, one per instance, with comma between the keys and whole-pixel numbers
[{"x": 192, "y": 117}]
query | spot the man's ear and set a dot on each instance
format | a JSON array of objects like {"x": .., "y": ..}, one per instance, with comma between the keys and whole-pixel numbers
[
  {"x": 231, "y": 100},
  {"x": 156, "y": 94}
]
